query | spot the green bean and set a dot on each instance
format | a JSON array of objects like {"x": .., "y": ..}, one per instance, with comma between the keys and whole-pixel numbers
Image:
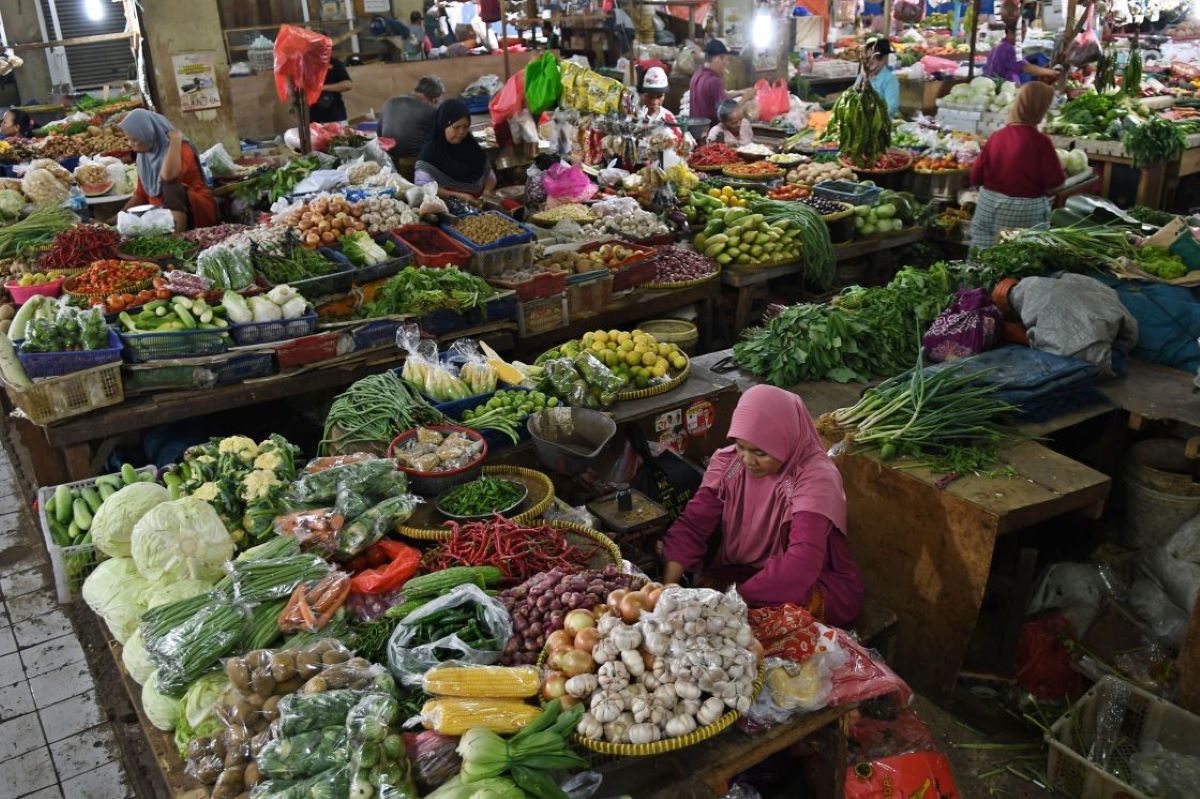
[{"x": 374, "y": 411}]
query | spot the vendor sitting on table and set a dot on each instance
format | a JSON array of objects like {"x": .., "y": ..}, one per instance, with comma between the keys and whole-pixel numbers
[
  {"x": 777, "y": 499},
  {"x": 453, "y": 158},
  {"x": 733, "y": 128},
  {"x": 169, "y": 173}
]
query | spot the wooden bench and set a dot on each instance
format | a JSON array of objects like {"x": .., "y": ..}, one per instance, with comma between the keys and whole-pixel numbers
[{"x": 876, "y": 626}]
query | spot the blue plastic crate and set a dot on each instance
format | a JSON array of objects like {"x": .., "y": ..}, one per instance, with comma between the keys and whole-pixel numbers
[
  {"x": 244, "y": 366},
  {"x": 508, "y": 241},
  {"x": 503, "y": 308},
  {"x": 336, "y": 282},
  {"x": 495, "y": 439},
  {"x": 281, "y": 330},
  {"x": 157, "y": 346},
  {"x": 478, "y": 105},
  {"x": 368, "y": 274},
  {"x": 439, "y": 323},
  {"x": 847, "y": 191},
  {"x": 377, "y": 333},
  {"x": 56, "y": 364}
]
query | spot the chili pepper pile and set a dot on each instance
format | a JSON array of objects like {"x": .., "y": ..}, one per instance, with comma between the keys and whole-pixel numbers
[
  {"x": 109, "y": 276},
  {"x": 714, "y": 155},
  {"x": 758, "y": 169},
  {"x": 517, "y": 550},
  {"x": 77, "y": 247}
]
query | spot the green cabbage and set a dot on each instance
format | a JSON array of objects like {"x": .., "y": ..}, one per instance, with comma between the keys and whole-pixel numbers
[
  {"x": 11, "y": 203},
  {"x": 166, "y": 592},
  {"x": 116, "y": 517},
  {"x": 136, "y": 660},
  {"x": 181, "y": 540},
  {"x": 114, "y": 593},
  {"x": 202, "y": 697},
  {"x": 163, "y": 711}
]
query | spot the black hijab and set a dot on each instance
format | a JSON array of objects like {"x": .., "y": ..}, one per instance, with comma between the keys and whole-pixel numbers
[{"x": 465, "y": 162}]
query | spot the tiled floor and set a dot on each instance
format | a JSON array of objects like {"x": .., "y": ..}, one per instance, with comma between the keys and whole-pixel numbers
[{"x": 55, "y": 740}]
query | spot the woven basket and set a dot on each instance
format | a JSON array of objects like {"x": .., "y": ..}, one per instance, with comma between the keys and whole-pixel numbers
[
  {"x": 128, "y": 288},
  {"x": 671, "y": 744},
  {"x": 713, "y": 168},
  {"x": 685, "y": 284},
  {"x": 611, "y": 552},
  {"x": 541, "y": 492},
  {"x": 733, "y": 172},
  {"x": 847, "y": 211},
  {"x": 940, "y": 172},
  {"x": 868, "y": 171},
  {"x": 661, "y": 388}
]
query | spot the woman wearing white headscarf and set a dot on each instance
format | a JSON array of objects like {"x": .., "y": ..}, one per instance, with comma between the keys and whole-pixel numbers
[{"x": 169, "y": 173}]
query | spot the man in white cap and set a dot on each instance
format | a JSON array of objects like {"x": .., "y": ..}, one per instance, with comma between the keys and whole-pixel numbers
[{"x": 651, "y": 93}]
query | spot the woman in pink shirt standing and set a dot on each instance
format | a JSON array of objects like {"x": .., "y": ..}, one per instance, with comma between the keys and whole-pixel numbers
[{"x": 777, "y": 499}]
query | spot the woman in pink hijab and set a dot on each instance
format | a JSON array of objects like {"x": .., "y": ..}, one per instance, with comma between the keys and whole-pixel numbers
[{"x": 778, "y": 501}]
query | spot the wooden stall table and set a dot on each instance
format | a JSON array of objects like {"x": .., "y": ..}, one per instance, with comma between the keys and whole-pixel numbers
[
  {"x": 930, "y": 563},
  {"x": 1156, "y": 183},
  {"x": 750, "y": 281}
]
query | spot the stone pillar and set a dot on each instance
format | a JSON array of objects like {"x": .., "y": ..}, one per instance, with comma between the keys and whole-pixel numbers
[{"x": 21, "y": 27}]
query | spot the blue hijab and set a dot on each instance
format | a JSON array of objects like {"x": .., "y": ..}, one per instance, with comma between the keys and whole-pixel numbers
[{"x": 151, "y": 129}]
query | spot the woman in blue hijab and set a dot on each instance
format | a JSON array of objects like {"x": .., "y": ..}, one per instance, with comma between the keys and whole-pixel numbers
[{"x": 169, "y": 173}]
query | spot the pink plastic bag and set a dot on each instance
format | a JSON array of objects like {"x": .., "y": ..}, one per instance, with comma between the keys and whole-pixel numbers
[
  {"x": 772, "y": 99},
  {"x": 1085, "y": 48},
  {"x": 968, "y": 327},
  {"x": 862, "y": 677},
  {"x": 932, "y": 64},
  {"x": 302, "y": 56},
  {"x": 567, "y": 184},
  {"x": 509, "y": 100}
]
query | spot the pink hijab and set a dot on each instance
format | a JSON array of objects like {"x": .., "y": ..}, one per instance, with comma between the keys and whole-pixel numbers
[{"x": 758, "y": 511}]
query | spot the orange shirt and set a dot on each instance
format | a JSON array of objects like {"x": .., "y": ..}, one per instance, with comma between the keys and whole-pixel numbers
[{"x": 200, "y": 199}]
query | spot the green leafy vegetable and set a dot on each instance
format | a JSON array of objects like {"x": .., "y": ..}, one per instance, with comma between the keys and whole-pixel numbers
[
  {"x": 1154, "y": 141},
  {"x": 417, "y": 290}
]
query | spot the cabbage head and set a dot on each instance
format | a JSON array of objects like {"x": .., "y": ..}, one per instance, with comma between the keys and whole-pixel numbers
[
  {"x": 11, "y": 203},
  {"x": 166, "y": 592},
  {"x": 136, "y": 660},
  {"x": 114, "y": 593},
  {"x": 115, "y": 519},
  {"x": 163, "y": 711},
  {"x": 181, "y": 540}
]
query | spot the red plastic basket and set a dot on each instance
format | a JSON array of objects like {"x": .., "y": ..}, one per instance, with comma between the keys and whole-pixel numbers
[
  {"x": 432, "y": 247},
  {"x": 538, "y": 287},
  {"x": 310, "y": 349}
]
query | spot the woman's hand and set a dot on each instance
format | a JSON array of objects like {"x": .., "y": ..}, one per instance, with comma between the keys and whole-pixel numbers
[{"x": 672, "y": 573}]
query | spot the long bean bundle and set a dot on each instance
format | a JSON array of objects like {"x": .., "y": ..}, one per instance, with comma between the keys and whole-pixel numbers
[
  {"x": 374, "y": 411},
  {"x": 923, "y": 414},
  {"x": 819, "y": 258}
]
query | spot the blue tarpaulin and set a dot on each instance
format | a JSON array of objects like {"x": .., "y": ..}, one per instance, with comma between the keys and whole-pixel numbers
[{"x": 1168, "y": 320}]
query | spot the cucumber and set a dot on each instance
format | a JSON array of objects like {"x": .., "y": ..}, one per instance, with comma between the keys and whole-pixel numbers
[
  {"x": 161, "y": 311},
  {"x": 206, "y": 317},
  {"x": 92, "y": 497},
  {"x": 58, "y": 534},
  {"x": 181, "y": 301},
  {"x": 113, "y": 481},
  {"x": 185, "y": 316},
  {"x": 83, "y": 516},
  {"x": 174, "y": 485},
  {"x": 63, "y": 500},
  {"x": 129, "y": 474},
  {"x": 73, "y": 531},
  {"x": 106, "y": 490},
  {"x": 146, "y": 477}
]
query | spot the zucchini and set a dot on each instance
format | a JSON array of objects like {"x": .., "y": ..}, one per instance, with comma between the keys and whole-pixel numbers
[
  {"x": 63, "y": 501},
  {"x": 10, "y": 366},
  {"x": 83, "y": 515},
  {"x": 92, "y": 497},
  {"x": 24, "y": 316}
]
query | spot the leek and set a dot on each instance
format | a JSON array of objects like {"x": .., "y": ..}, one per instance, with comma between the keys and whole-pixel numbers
[{"x": 362, "y": 250}]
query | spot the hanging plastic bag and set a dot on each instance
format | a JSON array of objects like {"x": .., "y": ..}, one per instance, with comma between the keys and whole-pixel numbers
[
  {"x": 773, "y": 99},
  {"x": 543, "y": 83},
  {"x": 1085, "y": 48},
  {"x": 509, "y": 100},
  {"x": 568, "y": 183},
  {"x": 302, "y": 57}
]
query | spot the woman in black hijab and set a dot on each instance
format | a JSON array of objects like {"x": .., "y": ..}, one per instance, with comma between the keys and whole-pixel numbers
[{"x": 453, "y": 158}]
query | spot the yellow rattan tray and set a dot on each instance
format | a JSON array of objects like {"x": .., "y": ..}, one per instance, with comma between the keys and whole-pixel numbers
[
  {"x": 662, "y": 388},
  {"x": 732, "y": 171},
  {"x": 611, "y": 552},
  {"x": 426, "y": 524},
  {"x": 710, "y": 168},
  {"x": 670, "y": 744},
  {"x": 685, "y": 284}
]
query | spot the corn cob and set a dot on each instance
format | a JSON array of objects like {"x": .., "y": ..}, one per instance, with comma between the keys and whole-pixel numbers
[
  {"x": 454, "y": 716},
  {"x": 502, "y": 682}
]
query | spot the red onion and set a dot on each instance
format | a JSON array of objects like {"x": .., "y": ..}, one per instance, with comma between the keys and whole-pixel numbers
[{"x": 677, "y": 265}]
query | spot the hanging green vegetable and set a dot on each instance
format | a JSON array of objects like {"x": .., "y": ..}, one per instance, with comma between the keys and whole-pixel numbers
[
  {"x": 1131, "y": 80},
  {"x": 860, "y": 123}
]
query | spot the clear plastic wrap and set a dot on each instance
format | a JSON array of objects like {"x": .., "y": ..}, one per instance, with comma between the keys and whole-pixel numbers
[
  {"x": 313, "y": 604},
  {"x": 372, "y": 524},
  {"x": 313, "y": 529},
  {"x": 301, "y": 713},
  {"x": 299, "y": 756},
  {"x": 256, "y": 581},
  {"x": 196, "y": 646},
  {"x": 378, "y": 761},
  {"x": 352, "y": 487},
  {"x": 474, "y": 369},
  {"x": 425, "y": 371},
  {"x": 452, "y": 715},
  {"x": 331, "y": 784},
  {"x": 425, "y": 639},
  {"x": 434, "y": 758}
]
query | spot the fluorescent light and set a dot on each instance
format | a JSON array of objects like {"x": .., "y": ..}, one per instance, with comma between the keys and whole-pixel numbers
[
  {"x": 762, "y": 29},
  {"x": 94, "y": 10}
]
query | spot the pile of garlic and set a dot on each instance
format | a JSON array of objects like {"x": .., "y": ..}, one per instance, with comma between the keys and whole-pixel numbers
[{"x": 680, "y": 667}]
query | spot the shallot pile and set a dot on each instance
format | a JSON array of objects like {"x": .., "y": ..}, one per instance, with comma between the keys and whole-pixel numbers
[{"x": 678, "y": 265}]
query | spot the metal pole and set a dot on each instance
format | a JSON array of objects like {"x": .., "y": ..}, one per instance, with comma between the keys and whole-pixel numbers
[{"x": 974, "y": 38}]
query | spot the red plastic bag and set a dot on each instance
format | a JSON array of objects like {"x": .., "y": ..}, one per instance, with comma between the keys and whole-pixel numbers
[
  {"x": 871, "y": 739},
  {"x": 1085, "y": 48},
  {"x": 1043, "y": 663},
  {"x": 925, "y": 774},
  {"x": 303, "y": 56},
  {"x": 509, "y": 100},
  {"x": 773, "y": 99},
  {"x": 401, "y": 563}
]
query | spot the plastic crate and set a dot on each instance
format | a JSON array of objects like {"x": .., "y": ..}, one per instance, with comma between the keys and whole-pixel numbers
[
  {"x": 439, "y": 323},
  {"x": 403, "y": 256},
  {"x": 262, "y": 332},
  {"x": 313, "y": 349},
  {"x": 376, "y": 333},
  {"x": 72, "y": 564},
  {"x": 56, "y": 398},
  {"x": 456, "y": 408},
  {"x": 55, "y": 364},
  {"x": 503, "y": 307},
  {"x": 477, "y": 105},
  {"x": 432, "y": 247},
  {"x": 493, "y": 263},
  {"x": 157, "y": 346},
  {"x": 494, "y": 438},
  {"x": 541, "y": 316},
  {"x": 526, "y": 235},
  {"x": 198, "y": 373},
  {"x": 635, "y": 270},
  {"x": 847, "y": 191},
  {"x": 336, "y": 282},
  {"x": 590, "y": 296},
  {"x": 1146, "y": 719},
  {"x": 540, "y": 286}
]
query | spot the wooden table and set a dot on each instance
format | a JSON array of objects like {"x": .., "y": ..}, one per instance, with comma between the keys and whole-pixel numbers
[
  {"x": 747, "y": 282},
  {"x": 930, "y": 561}
]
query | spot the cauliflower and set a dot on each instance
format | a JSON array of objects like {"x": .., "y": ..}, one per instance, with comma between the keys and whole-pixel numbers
[
  {"x": 207, "y": 492},
  {"x": 258, "y": 484},
  {"x": 268, "y": 459},
  {"x": 244, "y": 448}
]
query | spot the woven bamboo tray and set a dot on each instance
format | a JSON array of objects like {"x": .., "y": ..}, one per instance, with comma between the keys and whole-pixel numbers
[
  {"x": 712, "y": 168},
  {"x": 577, "y": 534},
  {"x": 427, "y": 524},
  {"x": 686, "y": 284},
  {"x": 661, "y": 388},
  {"x": 671, "y": 744},
  {"x": 868, "y": 171},
  {"x": 732, "y": 171},
  {"x": 128, "y": 288}
]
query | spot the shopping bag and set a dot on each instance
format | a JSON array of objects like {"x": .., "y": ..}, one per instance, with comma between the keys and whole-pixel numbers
[
  {"x": 508, "y": 101},
  {"x": 1085, "y": 48},
  {"x": 969, "y": 326},
  {"x": 543, "y": 83},
  {"x": 773, "y": 99},
  {"x": 301, "y": 56}
]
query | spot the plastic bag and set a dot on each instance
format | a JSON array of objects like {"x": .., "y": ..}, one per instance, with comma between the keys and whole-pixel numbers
[
  {"x": 434, "y": 758},
  {"x": 568, "y": 183},
  {"x": 352, "y": 486},
  {"x": 372, "y": 524},
  {"x": 916, "y": 774},
  {"x": 154, "y": 222},
  {"x": 1044, "y": 666},
  {"x": 332, "y": 782},
  {"x": 509, "y": 100},
  {"x": 473, "y": 366},
  {"x": 321, "y": 464},
  {"x": 377, "y": 754},
  {"x": 425, "y": 371},
  {"x": 314, "y": 529},
  {"x": 218, "y": 160},
  {"x": 773, "y": 99},
  {"x": 872, "y": 738},
  {"x": 303, "y": 755},
  {"x": 1085, "y": 48},
  {"x": 410, "y": 659},
  {"x": 543, "y": 83},
  {"x": 301, "y": 57},
  {"x": 313, "y": 603},
  {"x": 300, "y": 712},
  {"x": 969, "y": 326},
  {"x": 401, "y": 564}
]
